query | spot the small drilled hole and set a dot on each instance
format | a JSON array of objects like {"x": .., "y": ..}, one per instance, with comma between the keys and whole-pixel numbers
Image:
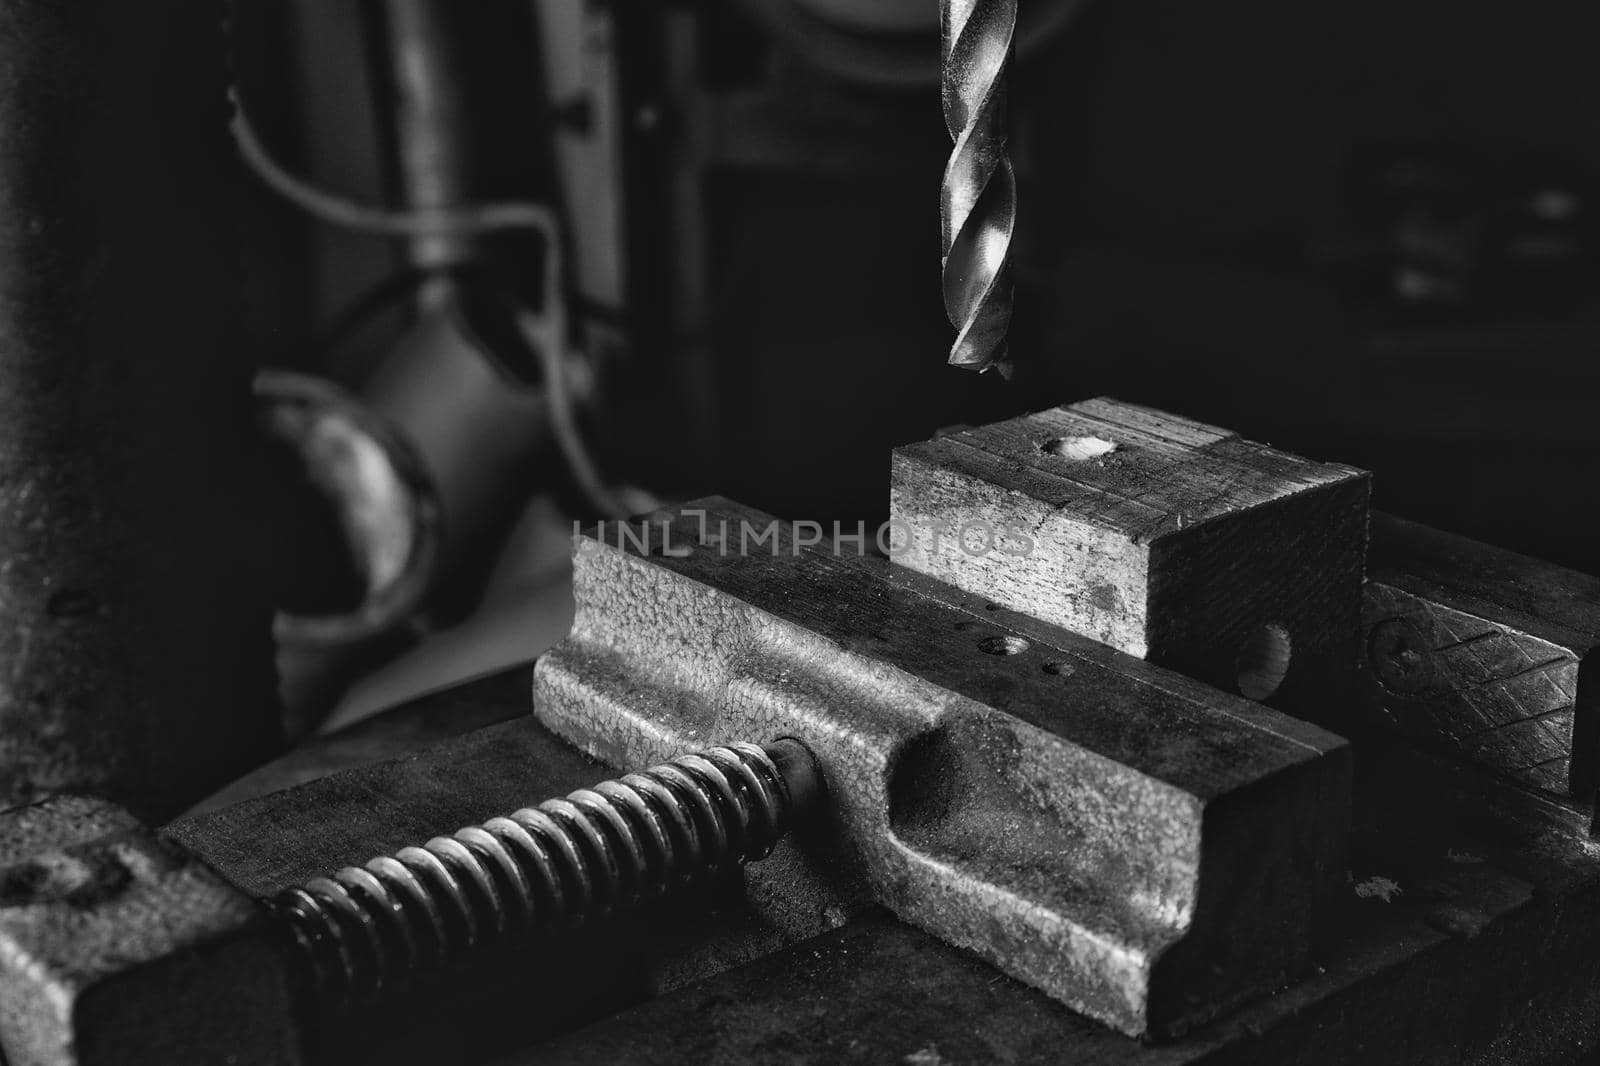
[
  {"x": 1006, "y": 645},
  {"x": 1264, "y": 662},
  {"x": 1078, "y": 449},
  {"x": 1058, "y": 668}
]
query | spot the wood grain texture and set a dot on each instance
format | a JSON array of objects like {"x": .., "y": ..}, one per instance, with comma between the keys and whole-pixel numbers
[
  {"x": 1483, "y": 654},
  {"x": 1165, "y": 538}
]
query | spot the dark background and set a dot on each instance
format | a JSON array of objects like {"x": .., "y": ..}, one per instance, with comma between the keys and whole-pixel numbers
[{"x": 1362, "y": 231}]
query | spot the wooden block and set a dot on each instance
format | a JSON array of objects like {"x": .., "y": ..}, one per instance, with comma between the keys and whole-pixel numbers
[
  {"x": 1168, "y": 539},
  {"x": 1484, "y": 654}
]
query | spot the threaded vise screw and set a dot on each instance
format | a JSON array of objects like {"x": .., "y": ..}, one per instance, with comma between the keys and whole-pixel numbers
[{"x": 369, "y": 928}]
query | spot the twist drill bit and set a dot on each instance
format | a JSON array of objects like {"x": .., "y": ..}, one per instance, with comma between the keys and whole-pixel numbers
[{"x": 979, "y": 196}]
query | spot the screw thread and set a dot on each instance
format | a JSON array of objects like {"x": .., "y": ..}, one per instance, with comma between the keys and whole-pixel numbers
[{"x": 368, "y": 928}]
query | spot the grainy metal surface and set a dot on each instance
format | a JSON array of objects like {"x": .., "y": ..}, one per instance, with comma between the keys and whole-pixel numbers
[
  {"x": 978, "y": 203},
  {"x": 1141, "y": 846},
  {"x": 1487, "y": 951},
  {"x": 134, "y": 618},
  {"x": 1486, "y": 954},
  {"x": 117, "y": 947}
]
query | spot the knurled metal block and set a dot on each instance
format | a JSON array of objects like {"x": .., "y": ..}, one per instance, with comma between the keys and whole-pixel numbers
[{"x": 1484, "y": 655}]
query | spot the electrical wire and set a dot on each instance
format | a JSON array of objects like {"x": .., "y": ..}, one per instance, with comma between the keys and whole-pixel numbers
[
  {"x": 543, "y": 332},
  {"x": 564, "y": 425},
  {"x": 380, "y": 221}
]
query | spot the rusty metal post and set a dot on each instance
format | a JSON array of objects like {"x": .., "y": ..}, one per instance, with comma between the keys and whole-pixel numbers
[{"x": 135, "y": 655}]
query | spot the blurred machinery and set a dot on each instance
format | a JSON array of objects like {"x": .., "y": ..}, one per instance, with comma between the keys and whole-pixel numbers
[{"x": 1335, "y": 271}]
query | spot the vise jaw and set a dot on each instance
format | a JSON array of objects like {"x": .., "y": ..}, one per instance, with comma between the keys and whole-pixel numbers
[
  {"x": 1006, "y": 770},
  {"x": 1137, "y": 844}
]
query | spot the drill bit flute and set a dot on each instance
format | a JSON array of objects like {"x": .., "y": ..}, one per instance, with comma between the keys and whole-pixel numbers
[{"x": 979, "y": 196}]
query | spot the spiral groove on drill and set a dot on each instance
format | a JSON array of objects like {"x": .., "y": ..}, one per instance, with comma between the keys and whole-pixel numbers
[
  {"x": 369, "y": 928},
  {"x": 979, "y": 194}
]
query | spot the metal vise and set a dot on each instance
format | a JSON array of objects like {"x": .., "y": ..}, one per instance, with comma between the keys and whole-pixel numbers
[
  {"x": 1143, "y": 847},
  {"x": 1025, "y": 712}
]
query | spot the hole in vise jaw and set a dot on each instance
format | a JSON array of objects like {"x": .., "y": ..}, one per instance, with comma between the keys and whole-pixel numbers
[
  {"x": 1400, "y": 658},
  {"x": 1078, "y": 449},
  {"x": 925, "y": 782},
  {"x": 1003, "y": 645},
  {"x": 1264, "y": 661}
]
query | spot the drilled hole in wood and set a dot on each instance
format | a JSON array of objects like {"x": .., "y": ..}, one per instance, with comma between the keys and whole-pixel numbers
[
  {"x": 1006, "y": 645},
  {"x": 1264, "y": 661},
  {"x": 1078, "y": 449},
  {"x": 1058, "y": 668}
]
